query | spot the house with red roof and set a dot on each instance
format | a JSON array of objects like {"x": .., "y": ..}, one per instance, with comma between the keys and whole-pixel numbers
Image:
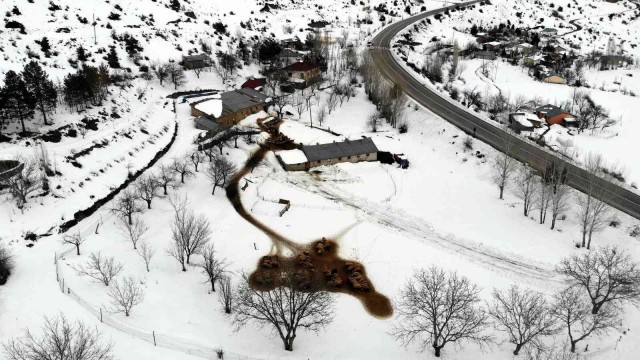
[
  {"x": 254, "y": 83},
  {"x": 302, "y": 73}
]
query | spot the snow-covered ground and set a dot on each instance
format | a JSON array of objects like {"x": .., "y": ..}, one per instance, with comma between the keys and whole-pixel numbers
[
  {"x": 615, "y": 90},
  {"x": 443, "y": 210}
]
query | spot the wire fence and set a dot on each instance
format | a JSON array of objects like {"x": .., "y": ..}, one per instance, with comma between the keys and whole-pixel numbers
[{"x": 152, "y": 337}]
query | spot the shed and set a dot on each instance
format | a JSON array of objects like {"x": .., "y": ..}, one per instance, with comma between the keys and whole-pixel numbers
[
  {"x": 231, "y": 107},
  {"x": 196, "y": 61}
]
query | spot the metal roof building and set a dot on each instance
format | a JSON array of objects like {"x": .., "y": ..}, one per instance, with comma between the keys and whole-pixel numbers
[{"x": 339, "y": 149}]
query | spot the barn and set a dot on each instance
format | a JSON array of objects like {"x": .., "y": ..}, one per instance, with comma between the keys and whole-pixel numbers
[{"x": 310, "y": 156}]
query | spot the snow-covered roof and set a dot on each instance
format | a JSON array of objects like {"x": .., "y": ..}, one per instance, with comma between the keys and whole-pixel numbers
[
  {"x": 525, "y": 45},
  {"x": 292, "y": 157},
  {"x": 210, "y": 107},
  {"x": 522, "y": 120}
]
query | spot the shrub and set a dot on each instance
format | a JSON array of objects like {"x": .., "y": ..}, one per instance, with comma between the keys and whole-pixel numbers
[
  {"x": 403, "y": 128},
  {"x": 6, "y": 264}
]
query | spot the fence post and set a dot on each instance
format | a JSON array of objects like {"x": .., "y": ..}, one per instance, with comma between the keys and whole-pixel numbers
[
  {"x": 154, "y": 338},
  {"x": 101, "y": 315},
  {"x": 63, "y": 285}
]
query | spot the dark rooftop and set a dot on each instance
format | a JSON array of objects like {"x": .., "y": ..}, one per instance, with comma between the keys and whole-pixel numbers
[
  {"x": 551, "y": 110},
  {"x": 339, "y": 149}
]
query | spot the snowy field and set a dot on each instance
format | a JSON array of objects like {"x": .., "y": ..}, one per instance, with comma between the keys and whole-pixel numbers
[{"x": 444, "y": 210}]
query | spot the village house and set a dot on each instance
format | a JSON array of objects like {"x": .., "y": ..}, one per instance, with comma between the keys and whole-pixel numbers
[
  {"x": 328, "y": 154},
  {"x": 253, "y": 83},
  {"x": 302, "y": 74},
  {"x": 524, "y": 121},
  {"x": 553, "y": 78},
  {"x": 289, "y": 56},
  {"x": 611, "y": 61},
  {"x": 555, "y": 115},
  {"x": 196, "y": 61},
  {"x": 492, "y": 46},
  {"x": 532, "y": 60},
  {"x": 485, "y": 55},
  {"x": 548, "y": 32},
  {"x": 525, "y": 49},
  {"x": 230, "y": 107}
]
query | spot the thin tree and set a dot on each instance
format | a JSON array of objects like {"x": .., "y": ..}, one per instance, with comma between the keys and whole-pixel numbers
[
  {"x": 146, "y": 252},
  {"x": 573, "y": 312},
  {"x": 543, "y": 201},
  {"x": 436, "y": 308},
  {"x": 526, "y": 188},
  {"x": 227, "y": 293},
  {"x": 608, "y": 275},
  {"x": 59, "y": 339},
  {"x": 219, "y": 172},
  {"x": 285, "y": 309},
  {"x": 126, "y": 205},
  {"x": 176, "y": 75},
  {"x": 592, "y": 213},
  {"x": 125, "y": 294},
  {"x": 74, "y": 239},
  {"x": 181, "y": 166},
  {"x": 503, "y": 166},
  {"x": 28, "y": 181},
  {"x": 524, "y": 315},
  {"x": 196, "y": 158},
  {"x": 99, "y": 268},
  {"x": 134, "y": 231},
  {"x": 176, "y": 251},
  {"x": 191, "y": 232},
  {"x": 166, "y": 177},
  {"x": 559, "y": 203},
  {"x": 146, "y": 188},
  {"x": 162, "y": 71},
  {"x": 213, "y": 267}
]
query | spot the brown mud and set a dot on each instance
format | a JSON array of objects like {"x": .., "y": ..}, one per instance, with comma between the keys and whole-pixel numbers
[{"x": 315, "y": 266}]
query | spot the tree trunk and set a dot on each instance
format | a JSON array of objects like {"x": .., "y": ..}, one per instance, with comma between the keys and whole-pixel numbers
[
  {"x": 182, "y": 178},
  {"x": 213, "y": 192},
  {"x": 589, "y": 242},
  {"x": 183, "y": 268},
  {"x": 164, "y": 186},
  {"x": 78, "y": 249},
  {"x": 213, "y": 285},
  {"x": 573, "y": 346},
  {"x": 130, "y": 215},
  {"x": 553, "y": 222},
  {"x": 44, "y": 113},
  {"x": 584, "y": 238},
  {"x": 517, "y": 350},
  {"x": 501, "y": 192},
  {"x": 288, "y": 343},
  {"x": 148, "y": 204},
  {"x": 436, "y": 350}
]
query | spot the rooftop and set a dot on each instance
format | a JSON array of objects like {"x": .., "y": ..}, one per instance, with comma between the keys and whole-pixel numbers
[
  {"x": 551, "y": 110},
  {"x": 339, "y": 149},
  {"x": 292, "y": 157},
  {"x": 198, "y": 57},
  {"x": 232, "y": 101},
  {"x": 302, "y": 66}
]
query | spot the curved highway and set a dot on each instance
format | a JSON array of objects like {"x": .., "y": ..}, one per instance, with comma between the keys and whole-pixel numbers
[{"x": 610, "y": 192}]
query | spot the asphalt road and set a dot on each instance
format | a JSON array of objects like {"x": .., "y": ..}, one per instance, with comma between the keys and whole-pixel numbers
[{"x": 607, "y": 190}]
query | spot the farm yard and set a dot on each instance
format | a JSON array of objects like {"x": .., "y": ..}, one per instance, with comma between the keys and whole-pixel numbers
[{"x": 389, "y": 192}]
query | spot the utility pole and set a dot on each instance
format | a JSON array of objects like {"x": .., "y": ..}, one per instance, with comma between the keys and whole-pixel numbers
[{"x": 95, "y": 40}]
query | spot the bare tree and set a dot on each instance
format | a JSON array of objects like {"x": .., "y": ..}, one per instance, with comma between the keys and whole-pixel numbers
[
  {"x": 126, "y": 205},
  {"x": 146, "y": 188},
  {"x": 322, "y": 113},
  {"x": 134, "y": 231},
  {"x": 102, "y": 269},
  {"x": 285, "y": 308},
  {"x": 59, "y": 340},
  {"x": 176, "y": 251},
  {"x": 608, "y": 275},
  {"x": 125, "y": 294},
  {"x": 524, "y": 315},
  {"x": 526, "y": 187},
  {"x": 213, "y": 266},
  {"x": 592, "y": 214},
  {"x": 503, "y": 167},
  {"x": 219, "y": 172},
  {"x": 74, "y": 239},
  {"x": 188, "y": 231},
  {"x": 181, "y": 166},
  {"x": 166, "y": 177},
  {"x": 374, "y": 122},
  {"x": 437, "y": 308},
  {"x": 24, "y": 183},
  {"x": 573, "y": 312},
  {"x": 146, "y": 252},
  {"x": 551, "y": 352},
  {"x": 227, "y": 293},
  {"x": 176, "y": 75},
  {"x": 161, "y": 71},
  {"x": 332, "y": 101},
  {"x": 196, "y": 159},
  {"x": 559, "y": 203},
  {"x": 543, "y": 200}
]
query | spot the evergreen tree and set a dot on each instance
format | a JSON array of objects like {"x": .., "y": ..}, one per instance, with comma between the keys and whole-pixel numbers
[
  {"x": 4, "y": 116},
  {"x": 175, "y": 5},
  {"x": 44, "y": 46},
  {"x": 42, "y": 89},
  {"x": 82, "y": 53},
  {"x": 19, "y": 101},
  {"x": 269, "y": 49},
  {"x": 112, "y": 58}
]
